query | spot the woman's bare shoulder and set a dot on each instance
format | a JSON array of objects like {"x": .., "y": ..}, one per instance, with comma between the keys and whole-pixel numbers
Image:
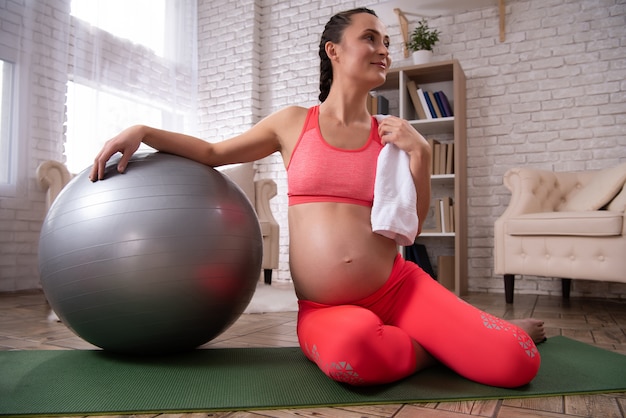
[
  {"x": 290, "y": 113},
  {"x": 287, "y": 122}
]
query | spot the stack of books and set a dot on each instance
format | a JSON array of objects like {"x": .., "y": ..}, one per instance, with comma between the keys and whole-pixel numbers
[
  {"x": 442, "y": 157},
  {"x": 377, "y": 104},
  {"x": 428, "y": 104}
]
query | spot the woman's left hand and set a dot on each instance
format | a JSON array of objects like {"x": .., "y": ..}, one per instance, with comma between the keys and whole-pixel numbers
[{"x": 399, "y": 132}]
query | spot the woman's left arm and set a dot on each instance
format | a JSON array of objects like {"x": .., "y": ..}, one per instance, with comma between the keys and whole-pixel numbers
[{"x": 400, "y": 133}]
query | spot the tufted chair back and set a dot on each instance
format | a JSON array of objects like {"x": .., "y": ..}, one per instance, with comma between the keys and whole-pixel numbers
[{"x": 543, "y": 190}]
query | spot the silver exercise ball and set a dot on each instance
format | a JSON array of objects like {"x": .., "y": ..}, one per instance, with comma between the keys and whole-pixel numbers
[{"x": 160, "y": 259}]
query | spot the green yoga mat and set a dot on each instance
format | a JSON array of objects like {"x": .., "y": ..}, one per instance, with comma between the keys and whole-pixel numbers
[{"x": 89, "y": 382}]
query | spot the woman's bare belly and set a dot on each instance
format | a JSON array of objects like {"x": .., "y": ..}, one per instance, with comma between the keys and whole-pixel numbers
[{"x": 334, "y": 256}]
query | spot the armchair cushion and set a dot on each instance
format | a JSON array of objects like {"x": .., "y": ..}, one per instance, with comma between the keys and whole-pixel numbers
[
  {"x": 587, "y": 224},
  {"x": 602, "y": 188}
]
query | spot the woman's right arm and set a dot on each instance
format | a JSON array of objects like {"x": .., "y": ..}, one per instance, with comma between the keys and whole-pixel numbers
[
  {"x": 127, "y": 142},
  {"x": 263, "y": 139}
]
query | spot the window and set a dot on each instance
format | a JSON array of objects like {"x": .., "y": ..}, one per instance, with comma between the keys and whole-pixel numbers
[
  {"x": 7, "y": 139},
  {"x": 131, "y": 62},
  {"x": 90, "y": 110},
  {"x": 140, "y": 21}
]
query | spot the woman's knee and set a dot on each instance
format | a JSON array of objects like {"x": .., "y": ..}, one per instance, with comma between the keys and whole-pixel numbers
[
  {"x": 523, "y": 363},
  {"x": 357, "y": 348},
  {"x": 515, "y": 365},
  {"x": 337, "y": 331}
]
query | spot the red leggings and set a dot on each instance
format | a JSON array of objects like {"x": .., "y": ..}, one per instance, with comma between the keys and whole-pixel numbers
[{"x": 371, "y": 341}]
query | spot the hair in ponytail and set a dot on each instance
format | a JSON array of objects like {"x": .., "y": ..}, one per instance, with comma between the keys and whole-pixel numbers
[{"x": 333, "y": 32}]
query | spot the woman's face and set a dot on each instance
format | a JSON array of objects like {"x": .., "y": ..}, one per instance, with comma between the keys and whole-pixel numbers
[{"x": 363, "y": 51}]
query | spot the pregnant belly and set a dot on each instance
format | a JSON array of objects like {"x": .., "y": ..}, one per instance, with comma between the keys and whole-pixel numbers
[{"x": 335, "y": 258}]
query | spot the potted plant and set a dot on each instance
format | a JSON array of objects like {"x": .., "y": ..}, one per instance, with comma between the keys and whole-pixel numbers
[{"x": 422, "y": 41}]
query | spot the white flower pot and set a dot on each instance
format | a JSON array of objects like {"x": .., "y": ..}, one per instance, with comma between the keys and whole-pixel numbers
[{"x": 422, "y": 57}]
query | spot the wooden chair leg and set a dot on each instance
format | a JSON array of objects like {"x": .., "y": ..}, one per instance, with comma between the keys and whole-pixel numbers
[
  {"x": 566, "y": 285},
  {"x": 509, "y": 287},
  {"x": 267, "y": 275}
]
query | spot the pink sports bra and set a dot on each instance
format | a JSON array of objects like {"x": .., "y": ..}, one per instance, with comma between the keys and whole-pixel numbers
[{"x": 320, "y": 172}]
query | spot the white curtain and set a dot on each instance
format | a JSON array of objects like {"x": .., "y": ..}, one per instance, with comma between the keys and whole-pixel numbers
[
  {"x": 129, "y": 62},
  {"x": 94, "y": 67}
]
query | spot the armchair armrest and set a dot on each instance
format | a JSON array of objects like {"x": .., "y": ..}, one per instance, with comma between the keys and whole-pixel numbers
[
  {"x": 52, "y": 176},
  {"x": 265, "y": 189}
]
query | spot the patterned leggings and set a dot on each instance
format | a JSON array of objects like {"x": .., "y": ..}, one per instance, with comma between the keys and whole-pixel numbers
[{"x": 371, "y": 341}]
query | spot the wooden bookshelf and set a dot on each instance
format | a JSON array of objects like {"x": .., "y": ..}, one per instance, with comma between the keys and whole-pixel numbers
[{"x": 446, "y": 76}]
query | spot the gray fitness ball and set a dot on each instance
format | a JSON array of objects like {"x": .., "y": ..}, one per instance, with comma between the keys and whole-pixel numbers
[{"x": 160, "y": 259}]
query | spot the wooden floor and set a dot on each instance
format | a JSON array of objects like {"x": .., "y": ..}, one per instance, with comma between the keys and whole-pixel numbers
[{"x": 23, "y": 326}]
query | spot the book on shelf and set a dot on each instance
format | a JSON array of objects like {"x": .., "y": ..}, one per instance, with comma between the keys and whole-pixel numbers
[
  {"x": 445, "y": 271},
  {"x": 428, "y": 104},
  {"x": 452, "y": 217},
  {"x": 417, "y": 104},
  {"x": 422, "y": 97},
  {"x": 383, "y": 105},
  {"x": 449, "y": 158},
  {"x": 446, "y": 208},
  {"x": 445, "y": 104},
  {"x": 437, "y": 97},
  {"x": 443, "y": 157},
  {"x": 433, "y": 102},
  {"x": 436, "y": 153}
]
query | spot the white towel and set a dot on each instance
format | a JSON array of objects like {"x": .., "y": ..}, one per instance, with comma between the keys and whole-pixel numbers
[{"x": 394, "y": 213}]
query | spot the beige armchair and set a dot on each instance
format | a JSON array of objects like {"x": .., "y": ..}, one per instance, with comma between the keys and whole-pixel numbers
[
  {"x": 52, "y": 176},
  {"x": 259, "y": 193},
  {"x": 562, "y": 224}
]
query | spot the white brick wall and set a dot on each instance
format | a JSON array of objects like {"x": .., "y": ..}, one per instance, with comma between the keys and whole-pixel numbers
[
  {"x": 229, "y": 49},
  {"x": 550, "y": 96}
]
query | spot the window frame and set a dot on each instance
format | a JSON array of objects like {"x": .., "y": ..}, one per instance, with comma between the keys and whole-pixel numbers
[{"x": 17, "y": 126}]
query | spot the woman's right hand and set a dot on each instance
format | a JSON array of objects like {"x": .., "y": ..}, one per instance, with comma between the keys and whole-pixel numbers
[{"x": 126, "y": 142}]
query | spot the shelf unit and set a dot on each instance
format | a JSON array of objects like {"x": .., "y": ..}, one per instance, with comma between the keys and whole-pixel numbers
[{"x": 447, "y": 76}]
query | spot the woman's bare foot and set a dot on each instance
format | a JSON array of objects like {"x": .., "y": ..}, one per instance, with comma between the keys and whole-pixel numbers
[{"x": 534, "y": 328}]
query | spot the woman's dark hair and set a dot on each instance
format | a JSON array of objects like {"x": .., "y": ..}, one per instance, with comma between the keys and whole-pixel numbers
[{"x": 333, "y": 32}]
